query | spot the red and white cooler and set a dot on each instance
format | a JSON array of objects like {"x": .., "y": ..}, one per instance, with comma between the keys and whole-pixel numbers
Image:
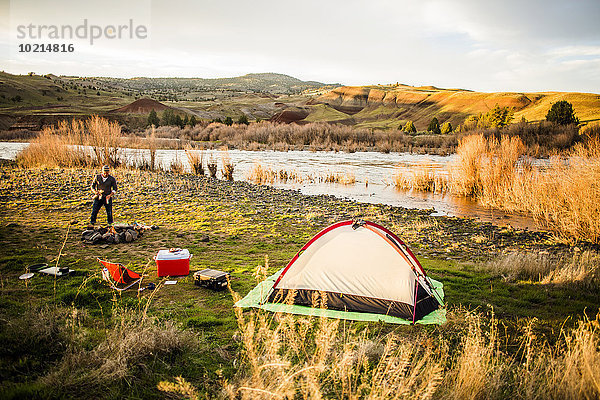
[{"x": 173, "y": 262}]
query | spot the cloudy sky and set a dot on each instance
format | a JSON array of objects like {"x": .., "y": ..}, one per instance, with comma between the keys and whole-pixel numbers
[{"x": 509, "y": 45}]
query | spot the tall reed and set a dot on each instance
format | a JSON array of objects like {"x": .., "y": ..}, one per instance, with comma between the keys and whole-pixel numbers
[
  {"x": 195, "y": 159},
  {"x": 423, "y": 177},
  {"x": 62, "y": 145},
  {"x": 563, "y": 196},
  {"x": 55, "y": 150},
  {"x": 227, "y": 167},
  {"x": 152, "y": 148},
  {"x": 177, "y": 165},
  {"x": 104, "y": 138},
  {"x": 212, "y": 167}
]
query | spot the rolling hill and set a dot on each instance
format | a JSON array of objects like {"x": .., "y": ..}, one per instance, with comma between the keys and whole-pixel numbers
[
  {"x": 33, "y": 100},
  {"x": 391, "y": 106},
  {"x": 142, "y": 106}
]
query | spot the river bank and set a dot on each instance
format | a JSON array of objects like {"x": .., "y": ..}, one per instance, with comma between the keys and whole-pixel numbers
[
  {"x": 227, "y": 225},
  {"x": 372, "y": 175}
]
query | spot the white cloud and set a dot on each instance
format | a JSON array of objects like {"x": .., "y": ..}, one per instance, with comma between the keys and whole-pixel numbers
[
  {"x": 575, "y": 51},
  {"x": 505, "y": 46}
]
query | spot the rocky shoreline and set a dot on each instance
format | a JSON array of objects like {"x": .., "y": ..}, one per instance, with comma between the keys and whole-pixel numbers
[{"x": 143, "y": 194}]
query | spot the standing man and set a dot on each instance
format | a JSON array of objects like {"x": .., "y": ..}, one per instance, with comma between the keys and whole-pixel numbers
[{"x": 104, "y": 186}]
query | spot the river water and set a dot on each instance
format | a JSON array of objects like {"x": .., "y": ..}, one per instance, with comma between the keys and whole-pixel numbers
[{"x": 373, "y": 173}]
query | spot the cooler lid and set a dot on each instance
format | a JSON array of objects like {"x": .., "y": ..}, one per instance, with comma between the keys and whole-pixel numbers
[{"x": 181, "y": 254}]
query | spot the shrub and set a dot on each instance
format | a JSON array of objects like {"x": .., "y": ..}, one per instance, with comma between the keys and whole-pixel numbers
[
  {"x": 497, "y": 117},
  {"x": 410, "y": 127},
  {"x": 196, "y": 160},
  {"x": 446, "y": 128},
  {"x": 227, "y": 169}
]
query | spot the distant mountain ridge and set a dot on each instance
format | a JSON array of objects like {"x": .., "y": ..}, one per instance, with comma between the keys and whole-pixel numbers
[{"x": 269, "y": 82}]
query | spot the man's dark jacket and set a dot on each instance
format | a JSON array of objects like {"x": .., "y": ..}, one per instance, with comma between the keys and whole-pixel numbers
[{"x": 107, "y": 186}]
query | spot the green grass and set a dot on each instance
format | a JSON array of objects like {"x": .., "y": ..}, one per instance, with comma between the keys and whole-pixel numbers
[
  {"x": 41, "y": 92},
  {"x": 243, "y": 228},
  {"x": 325, "y": 113}
]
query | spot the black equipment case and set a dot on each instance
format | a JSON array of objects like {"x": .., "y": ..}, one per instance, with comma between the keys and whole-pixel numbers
[{"x": 211, "y": 278}]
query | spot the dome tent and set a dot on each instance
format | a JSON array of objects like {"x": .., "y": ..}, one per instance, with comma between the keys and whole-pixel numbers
[{"x": 361, "y": 270}]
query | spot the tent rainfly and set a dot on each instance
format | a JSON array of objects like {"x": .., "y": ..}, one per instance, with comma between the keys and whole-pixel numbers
[{"x": 358, "y": 267}]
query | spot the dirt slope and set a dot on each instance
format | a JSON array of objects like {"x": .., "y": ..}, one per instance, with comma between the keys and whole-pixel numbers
[{"x": 141, "y": 106}]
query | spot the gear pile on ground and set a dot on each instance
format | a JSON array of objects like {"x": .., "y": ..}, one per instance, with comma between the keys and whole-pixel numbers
[{"x": 118, "y": 233}]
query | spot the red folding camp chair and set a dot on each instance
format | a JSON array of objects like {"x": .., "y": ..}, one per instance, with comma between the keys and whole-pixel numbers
[{"x": 117, "y": 274}]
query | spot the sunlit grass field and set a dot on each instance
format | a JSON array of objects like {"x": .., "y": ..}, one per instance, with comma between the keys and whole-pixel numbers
[{"x": 510, "y": 330}]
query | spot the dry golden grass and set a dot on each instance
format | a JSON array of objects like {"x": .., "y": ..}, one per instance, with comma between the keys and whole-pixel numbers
[
  {"x": 227, "y": 166},
  {"x": 104, "y": 138},
  {"x": 53, "y": 149},
  {"x": 347, "y": 178},
  {"x": 563, "y": 197},
  {"x": 568, "y": 370},
  {"x": 479, "y": 368},
  {"x": 581, "y": 268},
  {"x": 260, "y": 175},
  {"x": 152, "y": 148},
  {"x": 298, "y": 357},
  {"x": 485, "y": 167},
  {"x": 180, "y": 387},
  {"x": 195, "y": 159},
  {"x": 423, "y": 177},
  {"x": 176, "y": 165},
  {"x": 62, "y": 145}
]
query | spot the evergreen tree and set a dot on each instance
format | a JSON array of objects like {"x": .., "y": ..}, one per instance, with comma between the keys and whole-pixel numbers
[
  {"x": 186, "y": 120},
  {"x": 192, "y": 122},
  {"x": 562, "y": 113},
  {"x": 153, "y": 118},
  {"x": 228, "y": 121},
  {"x": 434, "y": 126},
  {"x": 178, "y": 121},
  {"x": 167, "y": 117}
]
